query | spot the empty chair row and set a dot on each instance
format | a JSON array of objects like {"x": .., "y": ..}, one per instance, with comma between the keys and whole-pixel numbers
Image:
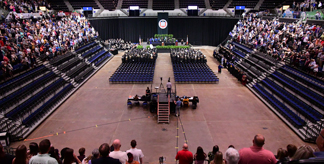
[
  {"x": 61, "y": 59},
  {"x": 91, "y": 51},
  {"x": 292, "y": 117},
  {"x": 69, "y": 64},
  {"x": 307, "y": 111},
  {"x": 21, "y": 79},
  {"x": 242, "y": 47},
  {"x": 38, "y": 113},
  {"x": 85, "y": 47}
]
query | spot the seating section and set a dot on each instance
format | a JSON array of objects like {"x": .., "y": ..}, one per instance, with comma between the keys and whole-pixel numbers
[
  {"x": 193, "y": 73},
  {"x": 136, "y": 72},
  {"x": 78, "y": 4},
  {"x": 140, "y": 3},
  {"x": 61, "y": 59},
  {"x": 280, "y": 107},
  {"x": 58, "y": 5},
  {"x": 306, "y": 79},
  {"x": 102, "y": 59},
  {"x": 85, "y": 47},
  {"x": 299, "y": 89},
  {"x": 295, "y": 103},
  {"x": 163, "y": 5},
  {"x": 19, "y": 81},
  {"x": 109, "y": 4},
  {"x": 217, "y": 4},
  {"x": 243, "y": 47},
  {"x": 186, "y": 3},
  {"x": 270, "y": 4},
  {"x": 42, "y": 110},
  {"x": 247, "y": 4}
]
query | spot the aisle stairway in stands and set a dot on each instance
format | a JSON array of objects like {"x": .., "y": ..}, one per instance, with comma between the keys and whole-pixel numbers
[
  {"x": 28, "y": 99},
  {"x": 295, "y": 97}
]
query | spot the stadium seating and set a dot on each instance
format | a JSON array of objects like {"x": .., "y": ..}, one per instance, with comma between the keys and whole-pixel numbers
[
  {"x": 102, "y": 59},
  {"x": 19, "y": 81},
  {"x": 61, "y": 59},
  {"x": 38, "y": 113},
  {"x": 292, "y": 117},
  {"x": 163, "y": 5},
  {"x": 186, "y": 3},
  {"x": 245, "y": 48},
  {"x": 299, "y": 89},
  {"x": 270, "y": 4},
  {"x": 109, "y": 4},
  {"x": 217, "y": 4},
  {"x": 69, "y": 64},
  {"x": 138, "y": 72},
  {"x": 304, "y": 78},
  {"x": 91, "y": 51},
  {"x": 246, "y": 3},
  {"x": 58, "y": 5},
  {"x": 304, "y": 109},
  {"x": 78, "y": 4},
  {"x": 85, "y": 47},
  {"x": 140, "y": 3},
  {"x": 193, "y": 73}
]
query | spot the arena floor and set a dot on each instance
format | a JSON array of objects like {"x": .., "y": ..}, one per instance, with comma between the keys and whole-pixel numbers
[{"x": 228, "y": 114}]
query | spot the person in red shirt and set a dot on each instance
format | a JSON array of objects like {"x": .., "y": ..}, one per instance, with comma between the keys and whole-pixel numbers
[
  {"x": 257, "y": 154},
  {"x": 184, "y": 156}
]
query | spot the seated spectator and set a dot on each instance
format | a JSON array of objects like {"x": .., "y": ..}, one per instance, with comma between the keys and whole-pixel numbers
[
  {"x": 303, "y": 152},
  {"x": 232, "y": 156},
  {"x": 21, "y": 155},
  {"x": 200, "y": 156},
  {"x": 218, "y": 158}
]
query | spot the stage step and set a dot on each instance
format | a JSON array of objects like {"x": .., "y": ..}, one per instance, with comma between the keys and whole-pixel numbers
[{"x": 163, "y": 111}]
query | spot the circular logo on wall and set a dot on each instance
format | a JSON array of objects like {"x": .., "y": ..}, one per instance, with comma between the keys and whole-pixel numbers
[{"x": 163, "y": 24}]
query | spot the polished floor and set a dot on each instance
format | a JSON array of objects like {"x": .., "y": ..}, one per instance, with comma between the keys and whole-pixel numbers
[{"x": 228, "y": 114}]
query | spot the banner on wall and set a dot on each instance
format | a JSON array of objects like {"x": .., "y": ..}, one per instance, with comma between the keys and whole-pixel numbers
[{"x": 163, "y": 19}]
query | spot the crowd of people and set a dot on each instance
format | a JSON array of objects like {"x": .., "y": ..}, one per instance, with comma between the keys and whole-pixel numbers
[
  {"x": 120, "y": 44},
  {"x": 24, "y": 6},
  {"x": 298, "y": 44},
  {"x": 24, "y": 40},
  {"x": 139, "y": 55},
  {"x": 307, "y": 5},
  {"x": 187, "y": 55},
  {"x": 44, "y": 152}
]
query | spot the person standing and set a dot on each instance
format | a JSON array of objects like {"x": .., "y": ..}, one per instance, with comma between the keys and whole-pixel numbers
[
  {"x": 137, "y": 154},
  {"x": 104, "y": 158},
  {"x": 178, "y": 103},
  {"x": 184, "y": 156},
  {"x": 256, "y": 153},
  {"x": 117, "y": 154},
  {"x": 43, "y": 156},
  {"x": 169, "y": 86}
]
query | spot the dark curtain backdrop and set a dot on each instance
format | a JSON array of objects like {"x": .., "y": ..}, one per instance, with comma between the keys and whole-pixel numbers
[{"x": 201, "y": 31}]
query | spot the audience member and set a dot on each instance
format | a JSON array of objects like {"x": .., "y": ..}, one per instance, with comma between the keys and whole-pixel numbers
[
  {"x": 218, "y": 158},
  {"x": 104, "y": 158},
  {"x": 256, "y": 153},
  {"x": 232, "y": 156},
  {"x": 43, "y": 156},
  {"x": 184, "y": 156},
  {"x": 211, "y": 154},
  {"x": 70, "y": 157},
  {"x": 200, "y": 156},
  {"x": 303, "y": 152},
  {"x": 54, "y": 154},
  {"x": 282, "y": 155},
  {"x": 117, "y": 154},
  {"x": 291, "y": 150},
  {"x": 320, "y": 145},
  {"x": 131, "y": 159},
  {"x": 95, "y": 155},
  {"x": 81, "y": 153},
  {"x": 136, "y": 153},
  {"x": 33, "y": 150},
  {"x": 21, "y": 155}
]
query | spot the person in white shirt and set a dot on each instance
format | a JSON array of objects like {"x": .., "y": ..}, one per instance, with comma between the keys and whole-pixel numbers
[
  {"x": 137, "y": 153},
  {"x": 117, "y": 154}
]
